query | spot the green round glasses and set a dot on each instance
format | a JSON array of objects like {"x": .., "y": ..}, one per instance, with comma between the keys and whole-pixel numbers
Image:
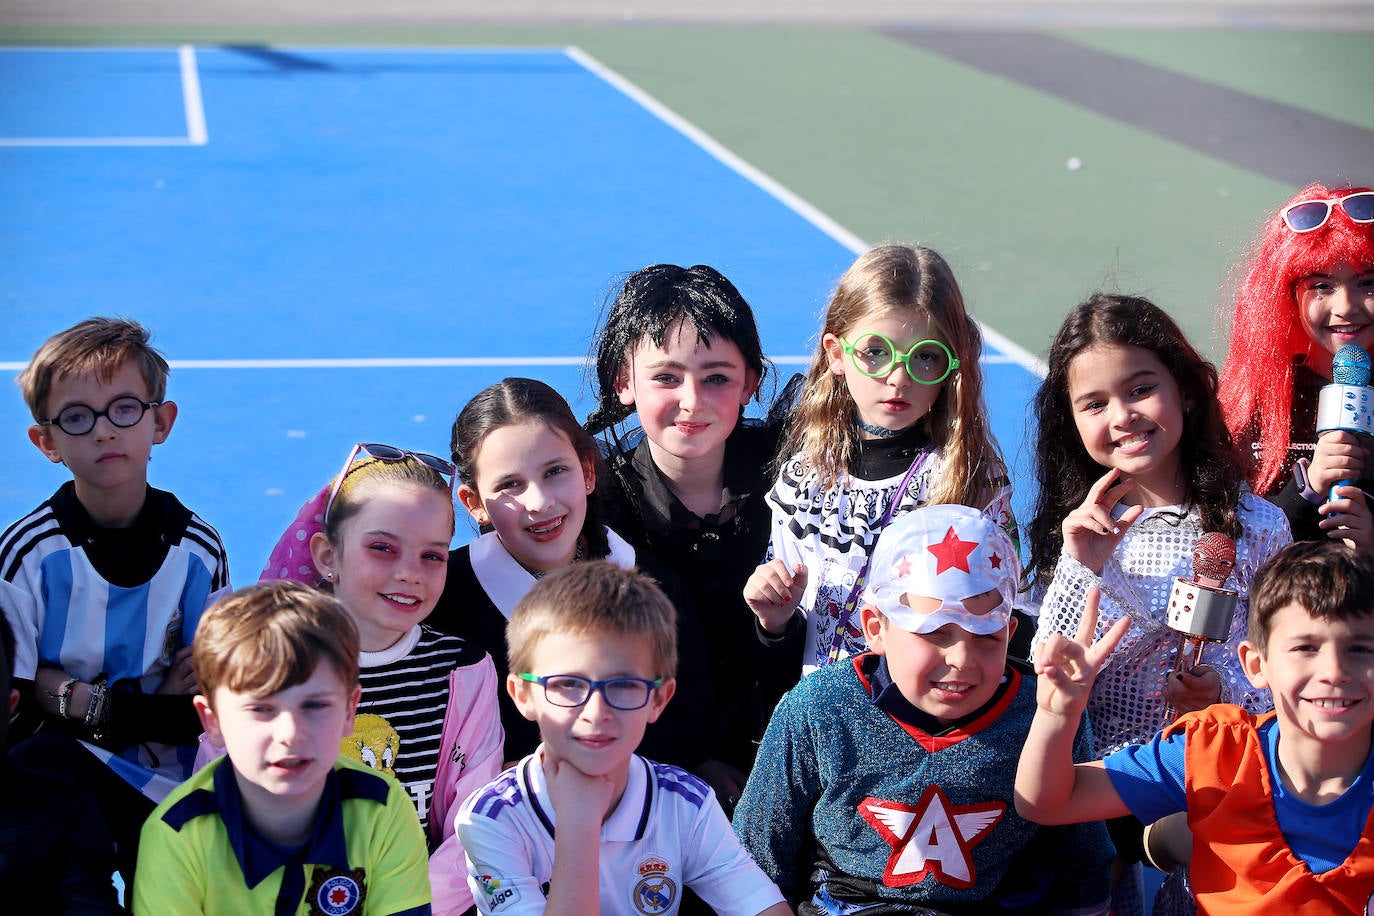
[{"x": 928, "y": 362}]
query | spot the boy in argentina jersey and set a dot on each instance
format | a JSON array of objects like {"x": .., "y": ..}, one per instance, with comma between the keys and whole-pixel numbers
[
  {"x": 884, "y": 782},
  {"x": 105, "y": 581}
]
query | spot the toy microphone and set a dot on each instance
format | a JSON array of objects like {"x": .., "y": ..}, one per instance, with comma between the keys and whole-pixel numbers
[
  {"x": 1201, "y": 609},
  {"x": 1347, "y": 404}
]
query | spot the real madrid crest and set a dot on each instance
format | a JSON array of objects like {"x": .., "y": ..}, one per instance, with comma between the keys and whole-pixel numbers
[
  {"x": 335, "y": 893},
  {"x": 656, "y": 891}
]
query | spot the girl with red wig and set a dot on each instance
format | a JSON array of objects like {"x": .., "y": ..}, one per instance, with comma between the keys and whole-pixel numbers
[{"x": 1305, "y": 290}]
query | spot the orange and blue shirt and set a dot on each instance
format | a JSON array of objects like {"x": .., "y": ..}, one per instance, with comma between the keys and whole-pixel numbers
[{"x": 1257, "y": 847}]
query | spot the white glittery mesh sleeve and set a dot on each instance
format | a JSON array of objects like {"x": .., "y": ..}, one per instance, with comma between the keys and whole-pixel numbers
[{"x": 1127, "y": 703}]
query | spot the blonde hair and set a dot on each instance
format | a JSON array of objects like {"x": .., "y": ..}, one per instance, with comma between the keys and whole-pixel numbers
[
  {"x": 901, "y": 280},
  {"x": 98, "y": 346},
  {"x": 362, "y": 476},
  {"x": 267, "y": 637},
  {"x": 590, "y": 600}
]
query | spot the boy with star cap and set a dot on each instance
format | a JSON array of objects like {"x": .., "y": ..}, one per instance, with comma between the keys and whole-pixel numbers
[{"x": 885, "y": 781}]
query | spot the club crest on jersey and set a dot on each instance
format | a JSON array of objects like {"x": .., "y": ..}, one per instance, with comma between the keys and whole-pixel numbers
[
  {"x": 336, "y": 893},
  {"x": 931, "y": 838},
  {"x": 499, "y": 895},
  {"x": 656, "y": 891}
]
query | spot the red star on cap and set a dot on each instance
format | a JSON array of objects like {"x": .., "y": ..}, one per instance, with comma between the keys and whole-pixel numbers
[
  {"x": 952, "y": 553},
  {"x": 995, "y": 560},
  {"x": 903, "y": 567}
]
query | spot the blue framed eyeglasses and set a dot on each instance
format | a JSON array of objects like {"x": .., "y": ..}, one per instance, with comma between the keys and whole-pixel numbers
[{"x": 572, "y": 690}]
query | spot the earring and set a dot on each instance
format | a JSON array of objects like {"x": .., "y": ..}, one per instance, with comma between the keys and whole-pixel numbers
[
  {"x": 483, "y": 518},
  {"x": 329, "y": 577}
]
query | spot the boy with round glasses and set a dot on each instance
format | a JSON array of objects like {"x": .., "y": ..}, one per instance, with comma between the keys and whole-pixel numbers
[
  {"x": 105, "y": 581},
  {"x": 584, "y": 824}
]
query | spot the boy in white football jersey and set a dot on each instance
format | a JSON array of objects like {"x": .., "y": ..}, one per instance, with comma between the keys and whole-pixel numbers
[{"x": 592, "y": 655}]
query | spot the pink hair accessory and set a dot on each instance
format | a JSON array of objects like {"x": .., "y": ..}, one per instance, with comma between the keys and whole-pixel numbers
[{"x": 291, "y": 558}]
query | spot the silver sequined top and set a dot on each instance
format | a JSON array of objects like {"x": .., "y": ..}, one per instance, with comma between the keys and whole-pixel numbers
[{"x": 1127, "y": 703}]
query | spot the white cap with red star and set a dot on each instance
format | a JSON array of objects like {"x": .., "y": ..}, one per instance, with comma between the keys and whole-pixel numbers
[{"x": 950, "y": 554}]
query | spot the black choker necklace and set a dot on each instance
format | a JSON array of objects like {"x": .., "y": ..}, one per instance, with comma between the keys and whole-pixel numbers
[{"x": 882, "y": 432}]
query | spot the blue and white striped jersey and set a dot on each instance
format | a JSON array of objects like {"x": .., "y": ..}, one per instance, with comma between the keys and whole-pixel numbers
[{"x": 121, "y": 602}]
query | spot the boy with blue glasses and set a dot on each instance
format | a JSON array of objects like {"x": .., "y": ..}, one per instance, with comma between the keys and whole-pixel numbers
[
  {"x": 592, "y": 652},
  {"x": 105, "y": 581}
]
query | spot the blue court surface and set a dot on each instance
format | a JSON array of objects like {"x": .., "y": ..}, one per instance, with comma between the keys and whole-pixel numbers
[{"x": 337, "y": 245}]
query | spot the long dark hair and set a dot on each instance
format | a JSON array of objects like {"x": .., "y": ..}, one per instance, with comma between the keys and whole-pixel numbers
[
  {"x": 650, "y": 303},
  {"x": 519, "y": 400},
  {"x": 1212, "y": 467}
]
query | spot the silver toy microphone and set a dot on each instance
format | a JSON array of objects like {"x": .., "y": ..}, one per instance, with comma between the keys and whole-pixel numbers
[{"x": 1201, "y": 609}]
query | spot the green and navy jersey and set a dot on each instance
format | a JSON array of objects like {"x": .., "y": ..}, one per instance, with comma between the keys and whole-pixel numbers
[{"x": 366, "y": 855}]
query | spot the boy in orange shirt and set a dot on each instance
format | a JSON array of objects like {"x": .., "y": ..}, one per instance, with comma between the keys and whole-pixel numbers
[{"x": 1279, "y": 826}]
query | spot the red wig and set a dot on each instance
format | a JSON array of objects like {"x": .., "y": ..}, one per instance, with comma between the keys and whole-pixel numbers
[{"x": 1267, "y": 334}]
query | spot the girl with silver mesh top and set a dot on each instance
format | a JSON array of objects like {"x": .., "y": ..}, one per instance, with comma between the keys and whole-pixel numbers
[{"x": 1134, "y": 464}]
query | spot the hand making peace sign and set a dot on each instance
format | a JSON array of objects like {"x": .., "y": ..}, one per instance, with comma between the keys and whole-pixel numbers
[
  {"x": 1090, "y": 532},
  {"x": 1065, "y": 668}
]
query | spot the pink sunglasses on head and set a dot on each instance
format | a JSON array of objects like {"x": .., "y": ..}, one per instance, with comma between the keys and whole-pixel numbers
[{"x": 389, "y": 453}]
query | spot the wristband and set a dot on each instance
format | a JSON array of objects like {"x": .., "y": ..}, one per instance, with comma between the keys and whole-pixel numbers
[
  {"x": 99, "y": 708},
  {"x": 1304, "y": 486},
  {"x": 64, "y": 695}
]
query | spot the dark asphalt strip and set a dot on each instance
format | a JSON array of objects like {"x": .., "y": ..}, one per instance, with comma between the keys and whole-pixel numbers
[{"x": 1272, "y": 139}]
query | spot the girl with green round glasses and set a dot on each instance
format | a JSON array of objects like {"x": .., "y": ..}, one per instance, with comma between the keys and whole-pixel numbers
[
  {"x": 881, "y": 426},
  {"x": 928, "y": 362}
]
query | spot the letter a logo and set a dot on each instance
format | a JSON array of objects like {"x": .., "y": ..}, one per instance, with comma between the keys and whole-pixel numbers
[{"x": 931, "y": 838}]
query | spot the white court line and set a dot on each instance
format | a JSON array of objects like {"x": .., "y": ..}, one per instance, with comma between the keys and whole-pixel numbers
[
  {"x": 1015, "y": 352},
  {"x": 718, "y": 151},
  {"x": 190, "y": 93},
  {"x": 196, "y": 134},
  {"x": 95, "y": 141},
  {"x": 381, "y": 362},
  {"x": 429, "y": 362}
]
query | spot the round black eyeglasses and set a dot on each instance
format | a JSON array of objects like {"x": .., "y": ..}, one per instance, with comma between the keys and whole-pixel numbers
[{"x": 79, "y": 419}]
